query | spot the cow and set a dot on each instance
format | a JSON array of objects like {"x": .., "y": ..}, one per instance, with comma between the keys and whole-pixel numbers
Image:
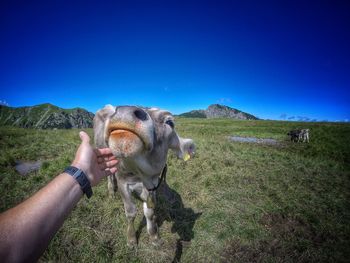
[
  {"x": 299, "y": 135},
  {"x": 304, "y": 135},
  {"x": 294, "y": 135},
  {"x": 140, "y": 138}
]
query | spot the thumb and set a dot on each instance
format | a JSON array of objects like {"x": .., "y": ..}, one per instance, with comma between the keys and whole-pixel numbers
[{"x": 84, "y": 137}]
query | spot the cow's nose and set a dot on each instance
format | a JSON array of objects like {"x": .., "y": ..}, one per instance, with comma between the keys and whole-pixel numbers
[{"x": 141, "y": 115}]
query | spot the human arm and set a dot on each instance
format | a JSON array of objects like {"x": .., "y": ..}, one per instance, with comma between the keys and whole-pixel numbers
[{"x": 26, "y": 229}]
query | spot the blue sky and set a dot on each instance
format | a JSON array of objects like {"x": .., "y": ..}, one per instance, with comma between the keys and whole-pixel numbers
[{"x": 267, "y": 58}]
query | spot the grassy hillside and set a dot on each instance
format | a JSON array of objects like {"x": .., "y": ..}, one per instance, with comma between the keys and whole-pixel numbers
[
  {"x": 31, "y": 116},
  {"x": 194, "y": 114},
  {"x": 234, "y": 202},
  {"x": 45, "y": 116}
]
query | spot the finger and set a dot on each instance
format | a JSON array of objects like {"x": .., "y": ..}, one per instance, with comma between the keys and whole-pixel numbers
[
  {"x": 111, "y": 157},
  {"x": 106, "y": 158},
  {"x": 84, "y": 137},
  {"x": 108, "y": 164},
  {"x": 111, "y": 163},
  {"x": 110, "y": 171},
  {"x": 104, "y": 151}
]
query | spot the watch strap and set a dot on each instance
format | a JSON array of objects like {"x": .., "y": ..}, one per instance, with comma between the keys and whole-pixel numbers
[{"x": 81, "y": 178}]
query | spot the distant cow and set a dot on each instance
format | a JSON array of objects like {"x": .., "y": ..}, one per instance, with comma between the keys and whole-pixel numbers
[
  {"x": 140, "y": 138},
  {"x": 304, "y": 135},
  {"x": 299, "y": 135},
  {"x": 294, "y": 135}
]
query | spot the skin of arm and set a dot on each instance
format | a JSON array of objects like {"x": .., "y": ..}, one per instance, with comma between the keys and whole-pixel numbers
[{"x": 26, "y": 230}]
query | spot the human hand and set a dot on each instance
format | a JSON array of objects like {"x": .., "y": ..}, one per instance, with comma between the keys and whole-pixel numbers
[{"x": 95, "y": 163}]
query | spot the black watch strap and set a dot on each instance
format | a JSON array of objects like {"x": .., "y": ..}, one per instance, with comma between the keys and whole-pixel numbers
[{"x": 81, "y": 178}]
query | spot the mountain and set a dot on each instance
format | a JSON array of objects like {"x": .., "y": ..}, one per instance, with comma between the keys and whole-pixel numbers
[
  {"x": 219, "y": 111},
  {"x": 194, "y": 114},
  {"x": 45, "y": 116}
]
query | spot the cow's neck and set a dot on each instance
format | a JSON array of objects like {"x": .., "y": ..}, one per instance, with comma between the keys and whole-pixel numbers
[
  {"x": 141, "y": 167},
  {"x": 131, "y": 173}
]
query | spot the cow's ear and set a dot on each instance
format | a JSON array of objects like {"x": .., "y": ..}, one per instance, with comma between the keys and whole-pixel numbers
[
  {"x": 100, "y": 120},
  {"x": 186, "y": 149}
]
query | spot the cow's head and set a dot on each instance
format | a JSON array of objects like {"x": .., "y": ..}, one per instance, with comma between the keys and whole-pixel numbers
[{"x": 140, "y": 137}]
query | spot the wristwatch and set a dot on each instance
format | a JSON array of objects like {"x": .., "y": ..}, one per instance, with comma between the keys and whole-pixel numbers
[{"x": 81, "y": 178}]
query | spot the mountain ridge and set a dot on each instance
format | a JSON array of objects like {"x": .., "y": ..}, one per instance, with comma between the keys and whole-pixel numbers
[
  {"x": 45, "y": 116},
  {"x": 219, "y": 111}
]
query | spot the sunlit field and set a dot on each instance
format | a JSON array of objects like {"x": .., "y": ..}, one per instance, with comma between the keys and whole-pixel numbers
[{"x": 233, "y": 202}]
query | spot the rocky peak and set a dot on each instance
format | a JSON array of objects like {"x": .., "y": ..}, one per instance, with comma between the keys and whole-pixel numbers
[
  {"x": 219, "y": 111},
  {"x": 222, "y": 111}
]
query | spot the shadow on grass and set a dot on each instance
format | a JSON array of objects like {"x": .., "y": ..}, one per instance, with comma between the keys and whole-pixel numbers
[{"x": 171, "y": 208}]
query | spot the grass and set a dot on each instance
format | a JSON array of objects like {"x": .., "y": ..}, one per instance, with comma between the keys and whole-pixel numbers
[{"x": 234, "y": 202}]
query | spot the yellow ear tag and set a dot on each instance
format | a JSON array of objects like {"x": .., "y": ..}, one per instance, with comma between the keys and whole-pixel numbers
[{"x": 187, "y": 157}]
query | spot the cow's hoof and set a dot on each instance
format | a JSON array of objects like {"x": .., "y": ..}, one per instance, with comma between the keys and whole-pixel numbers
[{"x": 132, "y": 243}]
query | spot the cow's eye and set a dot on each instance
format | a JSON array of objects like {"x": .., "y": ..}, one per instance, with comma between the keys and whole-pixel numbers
[{"x": 170, "y": 123}]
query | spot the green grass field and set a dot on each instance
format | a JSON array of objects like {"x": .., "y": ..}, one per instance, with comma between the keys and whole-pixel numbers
[{"x": 233, "y": 202}]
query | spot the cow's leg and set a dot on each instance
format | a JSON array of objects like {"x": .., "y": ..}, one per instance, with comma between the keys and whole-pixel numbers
[
  {"x": 130, "y": 212},
  {"x": 111, "y": 185},
  {"x": 152, "y": 227}
]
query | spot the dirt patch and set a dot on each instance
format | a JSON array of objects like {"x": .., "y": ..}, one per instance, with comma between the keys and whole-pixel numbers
[
  {"x": 235, "y": 251},
  {"x": 263, "y": 251},
  {"x": 24, "y": 168},
  {"x": 290, "y": 240},
  {"x": 283, "y": 226},
  {"x": 253, "y": 140}
]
